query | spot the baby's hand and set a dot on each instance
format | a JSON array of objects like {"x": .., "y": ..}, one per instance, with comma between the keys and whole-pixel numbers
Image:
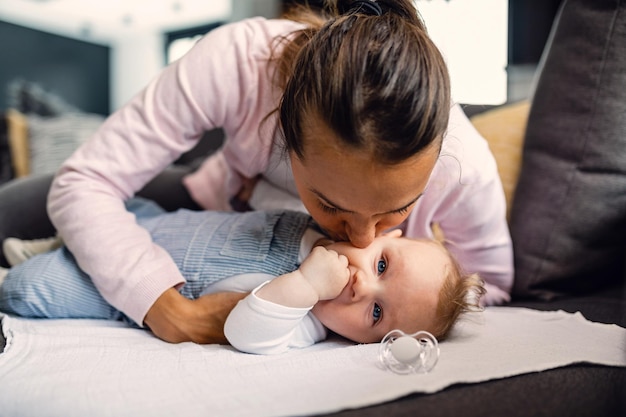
[{"x": 326, "y": 271}]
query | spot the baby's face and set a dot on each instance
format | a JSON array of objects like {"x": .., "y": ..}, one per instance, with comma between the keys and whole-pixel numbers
[{"x": 394, "y": 284}]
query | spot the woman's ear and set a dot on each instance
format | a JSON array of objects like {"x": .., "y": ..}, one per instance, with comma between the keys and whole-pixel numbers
[{"x": 394, "y": 233}]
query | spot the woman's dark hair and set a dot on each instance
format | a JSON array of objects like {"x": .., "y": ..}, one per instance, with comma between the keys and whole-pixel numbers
[{"x": 378, "y": 81}]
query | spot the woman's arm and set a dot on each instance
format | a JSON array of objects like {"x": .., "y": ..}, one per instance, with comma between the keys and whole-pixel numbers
[
  {"x": 176, "y": 319},
  {"x": 207, "y": 88}
]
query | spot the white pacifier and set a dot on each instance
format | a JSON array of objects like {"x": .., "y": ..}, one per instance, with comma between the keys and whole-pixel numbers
[{"x": 408, "y": 353}]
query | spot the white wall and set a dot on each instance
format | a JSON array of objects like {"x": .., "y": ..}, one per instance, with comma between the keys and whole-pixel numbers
[
  {"x": 138, "y": 57},
  {"x": 135, "y": 60},
  {"x": 137, "y": 49}
]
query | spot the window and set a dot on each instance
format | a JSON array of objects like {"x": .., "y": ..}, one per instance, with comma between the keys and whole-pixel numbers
[
  {"x": 178, "y": 43},
  {"x": 473, "y": 36}
]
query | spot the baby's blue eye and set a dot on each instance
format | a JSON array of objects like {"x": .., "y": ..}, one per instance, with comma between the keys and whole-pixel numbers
[
  {"x": 377, "y": 312},
  {"x": 381, "y": 267}
]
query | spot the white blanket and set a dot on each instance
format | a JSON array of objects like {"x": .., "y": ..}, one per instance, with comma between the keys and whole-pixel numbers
[{"x": 96, "y": 368}]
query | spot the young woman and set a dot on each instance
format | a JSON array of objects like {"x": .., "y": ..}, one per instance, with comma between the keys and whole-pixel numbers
[{"x": 349, "y": 113}]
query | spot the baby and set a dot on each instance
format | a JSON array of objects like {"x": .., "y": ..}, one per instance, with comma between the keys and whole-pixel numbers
[{"x": 301, "y": 283}]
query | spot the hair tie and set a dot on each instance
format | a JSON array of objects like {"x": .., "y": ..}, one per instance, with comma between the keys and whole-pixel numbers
[{"x": 368, "y": 7}]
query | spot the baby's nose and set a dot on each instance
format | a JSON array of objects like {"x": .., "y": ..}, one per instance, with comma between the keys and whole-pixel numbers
[{"x": 362, "y": 286}]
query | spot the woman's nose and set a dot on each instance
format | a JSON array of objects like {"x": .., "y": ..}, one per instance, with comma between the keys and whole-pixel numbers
[{"x": 361, "y": 234}]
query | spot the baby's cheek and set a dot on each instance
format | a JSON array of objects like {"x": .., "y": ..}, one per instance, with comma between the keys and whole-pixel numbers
[{"x": 328, "y": 312}]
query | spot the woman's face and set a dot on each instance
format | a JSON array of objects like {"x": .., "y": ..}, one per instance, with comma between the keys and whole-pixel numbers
[{"x": 351, "y": 195}]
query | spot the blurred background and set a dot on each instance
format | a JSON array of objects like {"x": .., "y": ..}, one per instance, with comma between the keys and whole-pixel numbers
[{"x": 99, "y": 54}]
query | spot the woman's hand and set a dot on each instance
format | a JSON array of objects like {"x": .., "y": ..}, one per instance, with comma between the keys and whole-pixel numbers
[
  {"x": 241, "y": 201},
  {"x": 175, "y": 319}
]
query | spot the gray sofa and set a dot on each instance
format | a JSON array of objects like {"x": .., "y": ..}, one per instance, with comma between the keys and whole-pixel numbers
[{"x": 568, "y": 221}]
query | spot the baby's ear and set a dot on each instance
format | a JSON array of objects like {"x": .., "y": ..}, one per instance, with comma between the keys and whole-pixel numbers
[{"x": 394, "y": 233}]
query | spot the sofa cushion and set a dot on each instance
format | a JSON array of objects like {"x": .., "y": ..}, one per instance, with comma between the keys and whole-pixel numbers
[
  {"x": 503, "y": 128},
  {"x": 568, "y": 219},
  {"x": 53, "y": 139}
]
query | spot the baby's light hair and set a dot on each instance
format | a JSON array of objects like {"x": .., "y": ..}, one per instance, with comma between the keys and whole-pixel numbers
[{"x": 460, "y": 294}]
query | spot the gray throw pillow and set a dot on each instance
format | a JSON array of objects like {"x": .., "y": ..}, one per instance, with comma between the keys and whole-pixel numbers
[
  {"x": 568, "y": 219},
  {"x": 53, "y": 139}
]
